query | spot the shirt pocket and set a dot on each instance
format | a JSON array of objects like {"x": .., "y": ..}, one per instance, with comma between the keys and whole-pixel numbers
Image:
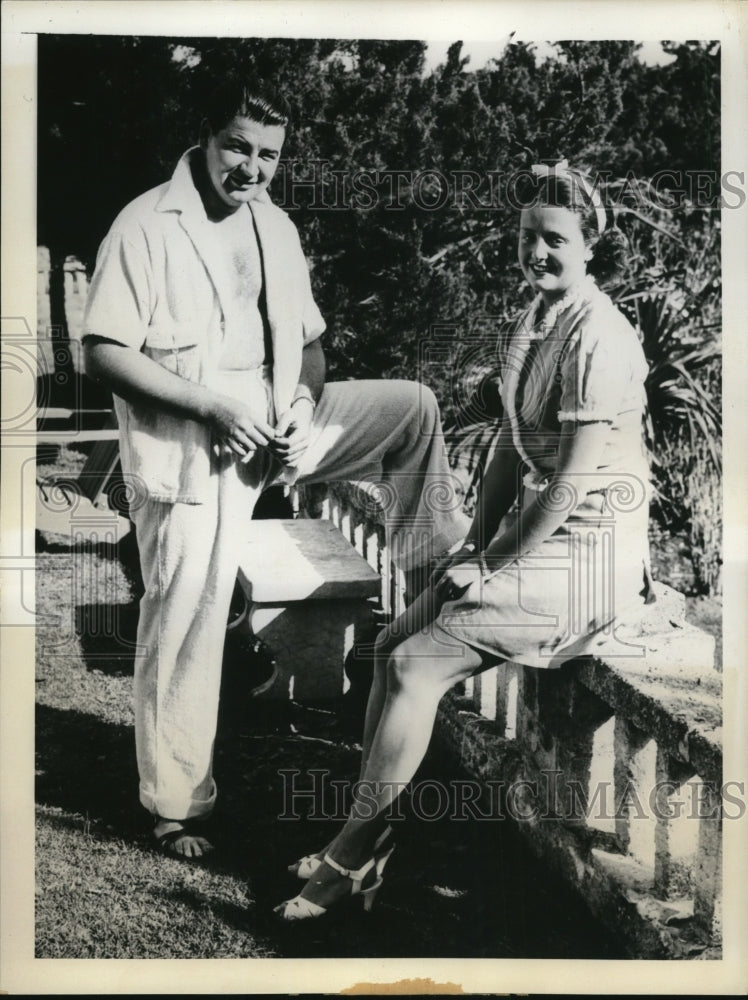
[{"x": 176, "y": 347}]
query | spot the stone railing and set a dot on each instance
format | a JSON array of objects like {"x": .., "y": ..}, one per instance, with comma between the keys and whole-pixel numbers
[
  {"x": 614, "y": 768},
  {"x": 610, "y": 765},
  {"x": 352, "y": 511}
]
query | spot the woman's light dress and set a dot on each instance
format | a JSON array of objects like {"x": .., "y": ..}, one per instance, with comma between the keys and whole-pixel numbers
[{"x": 579, "y": 362}]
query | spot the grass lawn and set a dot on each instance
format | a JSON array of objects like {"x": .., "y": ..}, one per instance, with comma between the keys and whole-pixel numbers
[{"x": 454, "y": 889}]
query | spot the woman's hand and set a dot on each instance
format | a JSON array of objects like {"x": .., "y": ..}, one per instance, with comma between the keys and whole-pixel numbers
[
  {"x": 456, "y": 578},
  {"x": 292, "y": 432},
  {"x": 237, "y": 429},
  {"x": 449, "y": 559}
]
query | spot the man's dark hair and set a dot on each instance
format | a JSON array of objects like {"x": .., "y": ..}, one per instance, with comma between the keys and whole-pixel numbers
[{"x": 247, "y": 98}]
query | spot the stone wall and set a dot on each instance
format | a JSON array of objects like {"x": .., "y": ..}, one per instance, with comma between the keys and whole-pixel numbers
[
  {"x": 613, "y": 768},
  {"x": 611, "y": 765}
]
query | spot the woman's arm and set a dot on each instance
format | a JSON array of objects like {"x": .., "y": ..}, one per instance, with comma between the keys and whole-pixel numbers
[
  {"x": 137, "y": 378},
  {"x": 580, "y": 451},
  {"x": 579, "y": 454},
  {"x": 498, "y": 490},
  {"x": 497, "y": 494}
]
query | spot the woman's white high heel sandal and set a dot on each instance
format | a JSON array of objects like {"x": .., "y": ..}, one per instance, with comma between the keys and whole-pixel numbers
[
  {"x": 305, "y": 867},
  {"x": 300, "y": 908}
]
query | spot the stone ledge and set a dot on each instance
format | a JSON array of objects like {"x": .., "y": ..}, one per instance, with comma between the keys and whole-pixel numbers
[
  {"x": 667, "y": 695},
  {"x": 672, "y": 694},
  {"x": 616, "y": 888}
]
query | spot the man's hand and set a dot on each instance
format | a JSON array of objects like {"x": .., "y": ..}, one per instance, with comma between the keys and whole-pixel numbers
[
  {"x": 292, "y": 432},
  {"x": 236, "y": 428}
]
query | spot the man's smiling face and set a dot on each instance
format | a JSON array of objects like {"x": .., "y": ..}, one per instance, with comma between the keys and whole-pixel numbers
[{"x": 242, "y": 159}]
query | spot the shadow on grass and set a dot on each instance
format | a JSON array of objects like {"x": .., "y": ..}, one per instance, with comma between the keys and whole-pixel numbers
[
  {"x": 453, "y": 888},
  {"x": 107, "y": 634},
  {"x": 87, "y": 766},
  {"x": 461, "y": 888}
]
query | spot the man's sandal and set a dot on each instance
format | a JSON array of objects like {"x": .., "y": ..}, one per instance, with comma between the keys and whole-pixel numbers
[{"x": 181, "y": 830}]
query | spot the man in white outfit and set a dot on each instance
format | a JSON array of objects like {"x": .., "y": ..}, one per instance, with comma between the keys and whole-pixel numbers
[{"x": 201, "y": 320}]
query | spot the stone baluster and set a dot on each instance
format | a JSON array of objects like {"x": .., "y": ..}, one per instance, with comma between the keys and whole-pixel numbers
[
  {"x": 485, "y": 689},
  {"x": 602, "y": 781},
  {"x": 628, "y": 741},
  {"x": 676, "y": 831},
  {"x": 562, "y": 733},
  {"x": 507, "y": 700},
  {"x": 707, "y": 875},
  {"x": 635, "y": 774},
  {"x": 358, "y": 539}
]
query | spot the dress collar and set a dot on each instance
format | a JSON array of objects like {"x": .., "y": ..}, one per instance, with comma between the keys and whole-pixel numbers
[{"x": 538, "y": 328}]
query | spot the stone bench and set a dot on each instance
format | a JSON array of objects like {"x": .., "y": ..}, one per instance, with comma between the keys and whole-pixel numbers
[
  {"x": 642, "y": 711},
  {"x": 308, "y": 591}
]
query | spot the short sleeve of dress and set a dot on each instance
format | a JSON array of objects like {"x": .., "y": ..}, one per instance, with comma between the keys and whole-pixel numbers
[
  {"x": 119, "y": 299},
  {"x": 598, "y": 370}
]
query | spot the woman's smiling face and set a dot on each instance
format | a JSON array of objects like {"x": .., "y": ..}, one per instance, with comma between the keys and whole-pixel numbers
[{"x": 552, "y": 252}]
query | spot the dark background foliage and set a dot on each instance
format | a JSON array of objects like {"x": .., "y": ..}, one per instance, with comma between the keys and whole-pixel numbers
[{"x": 391, "y": 275}]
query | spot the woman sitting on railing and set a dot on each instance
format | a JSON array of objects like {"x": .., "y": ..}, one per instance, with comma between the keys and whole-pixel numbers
[{"x": 558, "y": 546}]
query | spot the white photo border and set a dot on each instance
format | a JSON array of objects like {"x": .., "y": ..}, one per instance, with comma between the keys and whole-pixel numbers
[{"x": 642, "y": 20}]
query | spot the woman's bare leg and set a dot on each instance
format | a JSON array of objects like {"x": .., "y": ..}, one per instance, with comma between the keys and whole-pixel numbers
[
  {"x": 415, "y": 618},
  {"x": 420, "y": 670}
]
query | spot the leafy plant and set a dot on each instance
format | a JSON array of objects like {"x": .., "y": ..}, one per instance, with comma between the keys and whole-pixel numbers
[
  {"x": 672, "y": 293},
  {"x": 677, "y": 390},
  {"x": 690, "y": 503}
]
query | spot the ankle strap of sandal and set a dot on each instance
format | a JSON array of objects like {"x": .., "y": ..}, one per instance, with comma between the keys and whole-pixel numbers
[{"x": 357, "y": 875}]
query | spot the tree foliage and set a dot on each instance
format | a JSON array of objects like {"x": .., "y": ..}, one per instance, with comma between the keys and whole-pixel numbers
[
  {"x": 401, "y": 261},
  {"x": 116, "y": 113}
]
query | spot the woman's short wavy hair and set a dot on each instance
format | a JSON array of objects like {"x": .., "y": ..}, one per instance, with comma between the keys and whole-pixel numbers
[{"x": 561, "y": 190}]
